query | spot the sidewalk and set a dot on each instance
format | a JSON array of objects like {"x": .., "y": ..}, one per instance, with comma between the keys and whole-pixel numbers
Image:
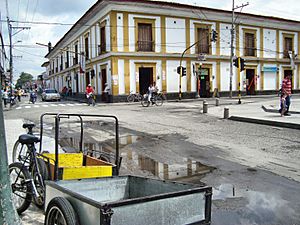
[{"x": 263, "y": 112}]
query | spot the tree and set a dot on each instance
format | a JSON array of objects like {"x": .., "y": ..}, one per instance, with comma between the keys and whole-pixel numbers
[
  {"x": 8, "y": 214},
  {"x": 23, "y": 79}
]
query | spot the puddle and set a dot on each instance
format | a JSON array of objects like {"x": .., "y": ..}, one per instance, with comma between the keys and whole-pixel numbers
[
  {"x": 166, "y": 171},
  {"x": 243, "y": 207}
]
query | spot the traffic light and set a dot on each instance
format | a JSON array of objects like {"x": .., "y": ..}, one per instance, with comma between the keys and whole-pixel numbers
[
  {"x": 236, "y": 62},
  {"x": 214, "y": 36},
  {"x": 178, "y": 69},
  {"x": 242, "y": 64},
  {"x": 183, "y": 71}
]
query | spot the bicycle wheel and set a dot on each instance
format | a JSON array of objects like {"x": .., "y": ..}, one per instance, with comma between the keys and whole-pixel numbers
[
  {"x": 145, "y": 102},
  {"x": 139, "y": 97},
  {"x": 130, "y": 98},
  {"x": 40, "y": 185},
  {"x": 159, "y": 100},
  {"x": 19, "y": 152},
  {"x": 21, "y": 186}
]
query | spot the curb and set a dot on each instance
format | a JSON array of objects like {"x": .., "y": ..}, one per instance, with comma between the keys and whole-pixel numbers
[
  {"x": 276, "y": 111},
  {"x": 265, "y": 122}
]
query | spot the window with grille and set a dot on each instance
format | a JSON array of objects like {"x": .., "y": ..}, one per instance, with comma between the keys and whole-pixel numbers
[
  {"x": 288, "y": 46},
  {"x": 203, "y": 40},
  {"x": 86, "y": 44},
  {"x": 102, "y": 46},
  {"x": 249, "y": 44},
  {"x": 76, "y": 55},
  {"x": 145, "y": 41}
]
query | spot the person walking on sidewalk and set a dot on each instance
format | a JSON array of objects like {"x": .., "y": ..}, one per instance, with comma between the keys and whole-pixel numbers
[{"x": 287, "y": 89}]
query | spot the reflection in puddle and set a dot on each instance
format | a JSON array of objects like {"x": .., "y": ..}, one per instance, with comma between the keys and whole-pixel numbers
[
  {"x": 166, "y": 171},
  {"x": 251, "y": 207}
]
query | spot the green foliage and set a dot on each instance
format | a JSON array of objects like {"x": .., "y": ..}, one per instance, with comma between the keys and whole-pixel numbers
[{"x": 23, "y": 79}]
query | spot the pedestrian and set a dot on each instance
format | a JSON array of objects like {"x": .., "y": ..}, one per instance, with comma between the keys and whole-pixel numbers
[
  {"x": 283, "y": 103},
  {"x": 286, "y": 88},
  {"x": 106, "y": 93},
  {"x": 19, "y": 94},
  {"x": 5, "y": 97}
]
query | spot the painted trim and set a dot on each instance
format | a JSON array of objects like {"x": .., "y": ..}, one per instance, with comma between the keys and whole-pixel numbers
[
  {"x": 261, "y": 32},
  {"x": 114, "y": 72},
  {"x": 277, "y": 78},
  {"x": 187, "y": 35},
  {"x": 218, "y": 45},
  {"x": 163, "y": 34},
  {"x": 113, "y": 31},
  {"x": 202, "y": 25},
  {"x": 164, "y": 74},
  {"x": 127, "y": 76},
  {"x": 277, "y": 46},
  {"x": 219, "y": 76},
  {"x": 138, "y": 20},
  {"x": 126, "y": 32},
  {"x": 147, "y": 65},
  {"x": 188, "y": 75},
  {"x": 250, "y": 31},
  {"x": 237, "y": 44}
]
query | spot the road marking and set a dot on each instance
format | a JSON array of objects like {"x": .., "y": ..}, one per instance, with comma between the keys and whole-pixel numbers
[
  {"x": 70, "y": 105},
  {"x": 19, "y": 107},
  {"x": 45, "y": 105},
  {"x": 62, "y": 104},
  {"x": 36, "y": 106},
  {"x": 53, "y": 105},
  {"x": 27, "y": 107}
]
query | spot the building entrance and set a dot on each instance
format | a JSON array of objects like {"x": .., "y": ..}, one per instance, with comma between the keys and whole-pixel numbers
[
  {"x": 204, "y": 91},
  {"x": 145, "y": 79},
  {"x": 250, "y": 81}
]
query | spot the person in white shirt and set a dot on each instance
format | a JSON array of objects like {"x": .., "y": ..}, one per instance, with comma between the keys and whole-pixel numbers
[{"x": 150, "y": 92}]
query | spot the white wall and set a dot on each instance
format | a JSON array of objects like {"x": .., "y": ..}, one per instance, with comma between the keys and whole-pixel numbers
[
  {"x": 132, "y": 28},
  {"x": 270, "y": 78},
  {"x": 121, "y": 76},
  {"x": 92, "y": 42},
  {"x": 269, "y": 43},
  {"x": 107, "y": 33},
  {"x": 224, "y": 37},
  {"x": 120, "y": 30},
  {"x": 175, "y": 35},
  {"x": 225, "y": 77},
  {"x": 173, "y": 76},
  {"x": 192, "y": 34}
]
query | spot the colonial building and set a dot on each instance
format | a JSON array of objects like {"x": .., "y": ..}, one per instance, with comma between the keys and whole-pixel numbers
[
  {"x": 132, "y": 43},
  {"x": 3, "y": 62}
]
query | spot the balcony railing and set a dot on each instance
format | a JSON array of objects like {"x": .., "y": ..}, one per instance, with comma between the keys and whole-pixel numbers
[{"x": 145, "y": 46}]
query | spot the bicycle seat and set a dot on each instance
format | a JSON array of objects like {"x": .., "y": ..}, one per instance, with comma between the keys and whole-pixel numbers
[
  {"x": 28, "y": 139},
  {"x": 28, "y": 125}
]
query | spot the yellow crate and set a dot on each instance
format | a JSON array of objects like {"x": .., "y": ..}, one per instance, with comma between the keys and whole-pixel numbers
[
  {"x": 79, "y": 166},
  {"x": 70, "y": 173},
  {"x": 66, "y": 159}
]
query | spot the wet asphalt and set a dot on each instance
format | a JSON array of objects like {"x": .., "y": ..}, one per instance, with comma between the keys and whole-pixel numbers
[{"x": 253, "y": 169}]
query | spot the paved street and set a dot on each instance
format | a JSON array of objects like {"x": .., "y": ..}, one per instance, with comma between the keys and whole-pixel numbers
[{"x": 254, "y": 169}]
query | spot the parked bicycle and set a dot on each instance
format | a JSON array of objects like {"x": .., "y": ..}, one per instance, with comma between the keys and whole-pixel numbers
[
  {"x": 132, "y": 97},
  {"x": 19, "y": 149},
  {"x": 27, "y": 176},
  {"x": 155, "y": 99}
]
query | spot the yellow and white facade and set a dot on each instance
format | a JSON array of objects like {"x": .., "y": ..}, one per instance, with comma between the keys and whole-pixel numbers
[{"x": 109, "y": 36}]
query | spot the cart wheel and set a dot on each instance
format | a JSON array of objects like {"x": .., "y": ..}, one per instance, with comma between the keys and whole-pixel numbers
[
  {"x": 21, "y": 188},
  {"x": 60, "y": 211},
  {"x": 40, "y": 187}
]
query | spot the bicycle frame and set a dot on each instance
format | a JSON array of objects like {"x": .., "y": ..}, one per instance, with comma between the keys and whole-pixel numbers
[{"x": 31, "y": 157}]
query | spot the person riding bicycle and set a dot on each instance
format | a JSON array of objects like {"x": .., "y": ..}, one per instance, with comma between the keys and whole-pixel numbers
[{"x": 89, "y": 91}]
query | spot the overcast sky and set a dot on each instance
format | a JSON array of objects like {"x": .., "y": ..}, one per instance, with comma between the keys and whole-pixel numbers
[{"x": 69, "y": 11}]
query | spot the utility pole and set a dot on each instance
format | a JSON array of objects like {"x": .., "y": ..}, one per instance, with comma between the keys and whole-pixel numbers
[
  {"x": 232, "y": 32},
  {"x": 10, "y": 28}
]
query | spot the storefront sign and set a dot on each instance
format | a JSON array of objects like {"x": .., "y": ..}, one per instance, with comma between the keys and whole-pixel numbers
[{"x": 270, "y": 69}]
